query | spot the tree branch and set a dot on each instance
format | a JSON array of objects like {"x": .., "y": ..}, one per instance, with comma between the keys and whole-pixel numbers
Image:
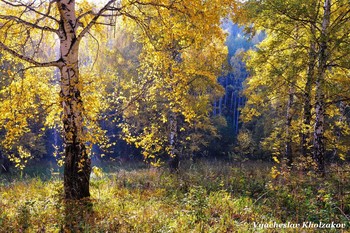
[
  {"x": 28, "y": 59},
  {"x": 85, "y": 14},
  {"x": 169, "y": 6},
  {"x": 142, "y": 92},
  {"x": 306, "y": 21},
  {"x": 29, "y": 24},
  {"x": 345, "y": 99},
  {"x": 97, "y": 16},
  {"x": 27, "y": 6}
]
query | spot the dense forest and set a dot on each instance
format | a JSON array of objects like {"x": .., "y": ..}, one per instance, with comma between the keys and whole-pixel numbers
[{"x": 174, "y": 116}]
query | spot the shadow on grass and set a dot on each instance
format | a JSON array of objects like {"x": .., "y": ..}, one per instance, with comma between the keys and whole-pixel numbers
[{"x": 78, "y": 216}]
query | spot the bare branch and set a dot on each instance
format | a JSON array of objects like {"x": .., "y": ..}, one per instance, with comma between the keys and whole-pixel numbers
[
  {"x": 97, "y": 16},
  {"x": 117, "y": 11},
  {"x": 340, "y": 19},
  {"x": 29, "y": 24},
  {"x": 344, "y": 99},
  {"x": 97, "y": 52},
  {"x": 32, "y": 9},
  {"x": 28, "y": 59},
  {"x": 85, "y": 14},
  {"x": 169, "y": 6}
]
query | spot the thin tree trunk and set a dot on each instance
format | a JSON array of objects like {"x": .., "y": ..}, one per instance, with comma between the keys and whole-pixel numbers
[
  {"x": 338, "y": 129},
  {"x": 319, "y": 142},
  {"x": 214, "y": 109},
  {"x": 220, "y": 106},
  {"x": 5, "y": 164},
  {"x": 289, "y": 154},
  {"x": 226, "y": 91},
  {"x": 231, "y": 102},
  {"x": 77, "y": 166},
  {"x": 238, "y": 113},
  {"x": 174, "y": 157},
  {"x": 234, "y": 115},
  {"x": 231, "y": 111}
]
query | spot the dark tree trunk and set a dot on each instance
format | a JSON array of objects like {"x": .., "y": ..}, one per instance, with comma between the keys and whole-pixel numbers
[
  {"x": 214, "y": 109},
  {"x": 77, "y": 169},
  {"x": 226, "y": 91},
  {"x": 5, "y": 165},
  {"x": 338, "y": 129},
  {"x": 305, "y": 137},
  {"x": 174, "y": 164},
  {"x": 231, "y": 102},
  {"x": 289, "y": 154}
]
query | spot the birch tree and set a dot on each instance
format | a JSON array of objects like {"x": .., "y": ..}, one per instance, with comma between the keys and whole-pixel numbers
[
  {"x": 29, "y": 28},
  {"x": 33, "y": 23},
  {"x": 318, "y": 57}
]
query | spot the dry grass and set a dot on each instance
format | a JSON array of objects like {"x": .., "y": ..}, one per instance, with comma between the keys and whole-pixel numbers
[{"x": 209, "y": 196}]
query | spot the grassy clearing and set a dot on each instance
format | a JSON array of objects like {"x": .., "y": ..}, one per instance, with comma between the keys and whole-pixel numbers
[{"x": 209, "y": 196}]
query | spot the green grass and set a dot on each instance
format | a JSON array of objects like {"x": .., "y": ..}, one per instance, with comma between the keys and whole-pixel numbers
[{"x": 208, "y": 196}]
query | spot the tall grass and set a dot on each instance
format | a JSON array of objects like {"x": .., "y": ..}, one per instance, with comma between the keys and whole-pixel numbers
[{"x": 207, "y": 196}]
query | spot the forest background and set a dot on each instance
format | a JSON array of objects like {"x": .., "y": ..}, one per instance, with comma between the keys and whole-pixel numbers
[{"x": 178, "y": 83}]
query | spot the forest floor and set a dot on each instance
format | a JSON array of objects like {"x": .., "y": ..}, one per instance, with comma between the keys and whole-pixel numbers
[{"x": 207, "y": 196}]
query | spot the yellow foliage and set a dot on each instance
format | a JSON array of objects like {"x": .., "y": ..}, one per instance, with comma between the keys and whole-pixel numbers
[{"x": 275, "y": 172}]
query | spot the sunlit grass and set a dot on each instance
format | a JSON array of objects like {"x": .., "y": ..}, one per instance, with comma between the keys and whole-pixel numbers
[{"x": 209, "y": 196}]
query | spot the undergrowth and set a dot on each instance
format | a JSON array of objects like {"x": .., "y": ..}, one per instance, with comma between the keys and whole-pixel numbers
[{"x": 208, "y": 196}]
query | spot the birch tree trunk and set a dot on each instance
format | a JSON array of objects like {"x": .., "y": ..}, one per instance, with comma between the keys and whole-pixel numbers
[
  {"x": 239, "y": 104},
  {"x": 319, "y": 142},
  {"x": 77, "y": 166},
  {"x": 235, "y": 112},
  {"x": 174, "y": 161}
]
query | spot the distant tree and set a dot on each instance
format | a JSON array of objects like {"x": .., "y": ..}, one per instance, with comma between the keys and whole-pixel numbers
[
  {"x": 175, "y": 85},
  {"x": 232, "y": 78}
]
